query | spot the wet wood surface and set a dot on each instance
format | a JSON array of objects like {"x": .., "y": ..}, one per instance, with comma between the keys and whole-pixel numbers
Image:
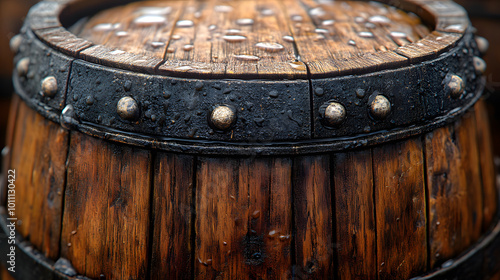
[
  {"x": 9, "y": 138},
  {"x": 454, "y": 190},
  {"x": 106, "y": 213},
  {"x": 401, "y": 216},
  {"x": 256, "y": 39},
  {"x": 355, "y": 215},
  {"x": 243, "y": 218},
  {"x": 39, "y": 153}
]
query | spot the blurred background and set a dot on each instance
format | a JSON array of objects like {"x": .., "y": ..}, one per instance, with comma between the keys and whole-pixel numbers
[{"x": 484, "y": 14}]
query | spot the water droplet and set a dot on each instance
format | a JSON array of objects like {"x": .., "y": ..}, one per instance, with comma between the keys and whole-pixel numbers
[
  {"x": 446, "y": 264},
  {"x": 370, "y": 25},
  {"x": 319, "y": 91},
  {"x": 116, "y": 52},
  {"x": 455, "y": 28},
  {"x": 352, "y": 43},
  {"x": 184, "y": 23},
  {"x": 176, "y": 37},
  {"x": 245, "y": 57},
  {"x": 184, "y": 68},
  {"x": 256, "y": 214},
  {"x": 244, "y": 21},
  {"x": 365, "y": 34},
  {"x": 170, "y": 50},
  {"x": 360, "y": 93},
  {"x": 379, "y": 19},
  {"x": 149, "y": 20},
  {"x": 157, "y": 44},
  {"x": 270, "y": 47},
  {"x": 212, "y": 27},
  {"x": 89, "y": 100},
  {"x": 319, "y": 37},
  {"x": 188, "y": 48},
  {"x": 397, "y": 34},
  {"x": 272, "y": 233},
  {"x": 359, "y": 19},
  {"x": 233, "y": 32},
  {"x": 288, "y": 39},
  {"x": 267, "y": 12},
  {"x": 296, "y": 18},
  {"x": 121, "y": 33},
  {"x": 154, "y": 10},
  {"x": 321, "y": 31},
  {"x": 234, "y": 38},
  {"x": 197, "y": 14},
  {"x": 328, "y": 22},
  {"x": 274, "y": 93},
  {"x": 103, "y": 27},
  {"x": 223, "y": 9},
  {"x": 297, "y": 65},
  {"x": 317, "y": 12},
  {"x": 284, "y": 237}
]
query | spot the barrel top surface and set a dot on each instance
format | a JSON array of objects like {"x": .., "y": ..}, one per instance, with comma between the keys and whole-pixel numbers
[
  {"x": 287, "y": 39},
  {"x": 253, "y": 37}
]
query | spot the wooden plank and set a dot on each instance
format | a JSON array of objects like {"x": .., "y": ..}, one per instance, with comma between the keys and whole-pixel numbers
[
  {"x": 172, "y": 212},
  {"x": 106, "y": 214},
  {"x": 355, "y": 217},
  {"x": 243, "y": 220},
  {"x": 430, "y": 47},
  {"x": 4, "y": 273},
  {"x": 314, "y": 246},
  {"x": 39, "y": 157},
  {"x": 485, "y": 151},
  {"x": 400, "y": 209},
  {"x": 454, "y": 190}
]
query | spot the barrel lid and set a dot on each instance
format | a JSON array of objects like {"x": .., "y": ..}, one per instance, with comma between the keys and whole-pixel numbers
[{"x": 249, "y": 72}]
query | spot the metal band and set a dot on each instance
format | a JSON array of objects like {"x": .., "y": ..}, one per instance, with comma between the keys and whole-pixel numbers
[{"x": 272, "y": 117}]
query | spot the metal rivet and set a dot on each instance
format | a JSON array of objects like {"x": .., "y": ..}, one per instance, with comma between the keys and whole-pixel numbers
[
  {"x": 479, "y": 65},
  {"x": 15, "y": 43},
  {"x": 49, "y": 86},
  {"x": 223, "y": 117},
  {"x": 23, "y": 66},
  {"x": 334, "y": 114},
  {"x": 128, "y": 109},
  {"x": 456, "y": 86},
  {"x": 380, "y": 107},
  {"x": 68, "y": 118},
  {"x": 482, "y": 44}
]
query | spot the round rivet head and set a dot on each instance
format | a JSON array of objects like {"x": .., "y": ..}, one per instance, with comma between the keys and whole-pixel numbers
[
  {"x": 22, "y": 66},
  {"x": 223, "y": 117},
  {"x": 49, "y": 86},
  {"x": 15, "y": 43},
  {"x": 456, "y": 86},
  {"x": 380, "y": 107},
  {"x": 479, "y": 65},
  {"x": 482, "y": 44},
  {"x": 334, "y": 114},
  {"x": 128, "y": 109}
]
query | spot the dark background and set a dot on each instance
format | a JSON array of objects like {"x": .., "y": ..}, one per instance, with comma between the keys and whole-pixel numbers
[{"x": 484, "y": 14}]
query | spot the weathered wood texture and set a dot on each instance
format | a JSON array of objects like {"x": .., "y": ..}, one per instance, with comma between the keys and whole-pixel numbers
[
  {"x": 400, "y": 209},
  {"x": 355, "y": 215},
  {"x": 222, "y": 38},
  {"x": 454, "y": 189},
  {"x": 173, "y": 212},
  {"x": 4, "y": 273},
  {"x": 487, "y": 167},
  {"x": 314, "y": 243},
  {"x": 106, "y": 212},
  {"x": 39, "y": 153},
  {"x": 243, "y": 218}
]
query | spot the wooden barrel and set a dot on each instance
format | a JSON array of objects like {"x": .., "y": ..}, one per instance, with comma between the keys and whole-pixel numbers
[{"x": 291, "y": 139}]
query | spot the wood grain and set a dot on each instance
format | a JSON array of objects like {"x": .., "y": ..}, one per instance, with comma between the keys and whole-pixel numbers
[
  {"x": 172, "y": 216},
  {"x": 243, "y": 218},
  {"x": 332, "y": 38},
  {"x": 4, "y": 273},
  {"x": 314, "y": 247},
  {"x": 355, "y": 215},
  {"x": 454, "y": 189},
  {"x": 487, "y": 166},
  {"x": 106, "y": 215},
  {"x": 400, "y": 209},
  {"x": 39, "y": 156}
]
